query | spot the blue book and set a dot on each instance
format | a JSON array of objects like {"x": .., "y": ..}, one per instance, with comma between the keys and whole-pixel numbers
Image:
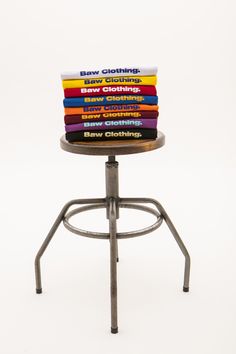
[{"x": 106, "y": 100}]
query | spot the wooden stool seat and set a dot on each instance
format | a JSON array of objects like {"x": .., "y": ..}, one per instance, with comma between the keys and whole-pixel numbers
[{"x": 113, "y": 147}]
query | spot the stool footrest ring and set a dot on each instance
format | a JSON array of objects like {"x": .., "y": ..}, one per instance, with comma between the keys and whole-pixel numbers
[{"x": 120, "y": 235}]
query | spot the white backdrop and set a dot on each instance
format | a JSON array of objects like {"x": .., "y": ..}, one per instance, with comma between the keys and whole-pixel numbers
[{"x": 193, "y": 176}]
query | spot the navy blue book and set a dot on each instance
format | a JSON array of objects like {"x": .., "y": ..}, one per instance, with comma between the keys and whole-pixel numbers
[{"x": 106, "y": 100}]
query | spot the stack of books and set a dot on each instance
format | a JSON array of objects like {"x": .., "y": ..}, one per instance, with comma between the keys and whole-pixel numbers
[{"x": 110, "y": 104}]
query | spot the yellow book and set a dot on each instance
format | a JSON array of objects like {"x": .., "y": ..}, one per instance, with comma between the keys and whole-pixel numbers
[{"x": 110, "y": 81}]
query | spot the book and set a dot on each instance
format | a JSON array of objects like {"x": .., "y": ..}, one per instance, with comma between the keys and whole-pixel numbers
[
  {"x": 121, "y": 134},
  {"x": 110, "y": 108},
  {"x": 80, "y": 118},
  {"x": 126, "y": 71},
  {"x": 110, "y": 81},
  {"x": 106, "y": 100},
  {"x": 109, "y": 90},
  {"x": 113, "y": 124}
]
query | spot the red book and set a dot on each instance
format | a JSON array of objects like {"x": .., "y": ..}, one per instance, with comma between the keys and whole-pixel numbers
[{"x": 110, "y": 90}]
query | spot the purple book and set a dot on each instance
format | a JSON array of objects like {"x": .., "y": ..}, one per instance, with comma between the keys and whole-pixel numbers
[{"x": 113, "y": 124}]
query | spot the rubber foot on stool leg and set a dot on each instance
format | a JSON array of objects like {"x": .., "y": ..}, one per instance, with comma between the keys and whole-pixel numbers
[
  {"x": 39, "y": 291},
  {"x": 186, "y": 289},
  {"x": 114, "y": 330}
]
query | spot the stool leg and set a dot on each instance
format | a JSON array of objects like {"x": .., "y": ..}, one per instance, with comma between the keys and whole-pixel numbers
[
  {"x": 45, "y": 245},
  {"x": 179, "y": 242},
  {"x": 51, "y": 234},
  {"x": 117, "y": 253},
  {"x": 113, "y": 267},
  {"x": 172, "y": 230}
]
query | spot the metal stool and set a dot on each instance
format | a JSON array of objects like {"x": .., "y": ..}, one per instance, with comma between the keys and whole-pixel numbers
[{"x": 112, "y": 202}]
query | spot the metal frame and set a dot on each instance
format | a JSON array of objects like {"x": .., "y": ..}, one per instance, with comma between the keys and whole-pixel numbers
[{"x": 112, "y": 203}]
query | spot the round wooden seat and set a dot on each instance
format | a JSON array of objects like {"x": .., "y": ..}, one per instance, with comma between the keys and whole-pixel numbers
[{"x": 113, "y": 147}]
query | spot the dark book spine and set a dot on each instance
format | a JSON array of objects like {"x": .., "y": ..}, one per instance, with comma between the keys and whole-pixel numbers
[
  {"x": 81, "y": 118},
  {"x": 123, "y": 134}
]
